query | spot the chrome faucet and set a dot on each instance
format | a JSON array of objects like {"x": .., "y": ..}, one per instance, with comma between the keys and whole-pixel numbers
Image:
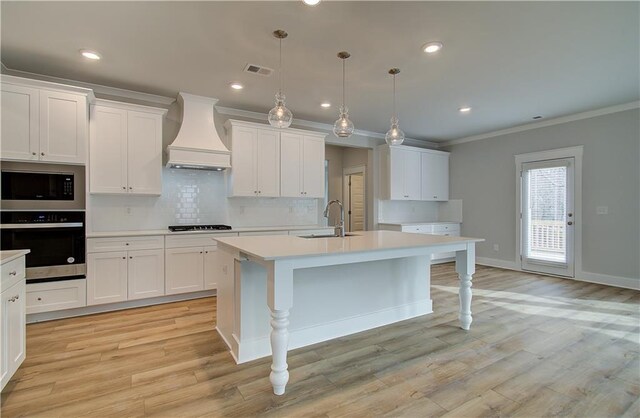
[{"x": 339, "y": 228}]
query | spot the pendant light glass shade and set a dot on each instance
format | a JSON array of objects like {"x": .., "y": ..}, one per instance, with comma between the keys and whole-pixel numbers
[
  {"x": 343, "y": 128},
  {"x": 280, "y": 116},
  {"x": 394, "y": 135}
]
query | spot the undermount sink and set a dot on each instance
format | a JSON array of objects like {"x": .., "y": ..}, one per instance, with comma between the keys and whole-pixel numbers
[{"x": 326, "y": 236}]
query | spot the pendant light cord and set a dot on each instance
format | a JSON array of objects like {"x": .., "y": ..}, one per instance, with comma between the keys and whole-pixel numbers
[
  {"x": 395, "y": 115},
  {"x": 280, "y": 66},
  {"x": 344, "y": 105}
]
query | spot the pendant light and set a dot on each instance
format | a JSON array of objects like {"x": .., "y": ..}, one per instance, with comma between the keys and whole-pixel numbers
[
  {"x": 343, "y": 128},
  {"x": 280, "y": 116},
  {"x": 394, "y": 136}
]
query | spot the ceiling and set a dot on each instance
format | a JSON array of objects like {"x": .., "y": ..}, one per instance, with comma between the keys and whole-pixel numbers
[{"x": 510, "y": 61}]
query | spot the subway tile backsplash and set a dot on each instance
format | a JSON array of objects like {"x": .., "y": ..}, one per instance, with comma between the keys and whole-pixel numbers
[{"x": 196, "y": 197}]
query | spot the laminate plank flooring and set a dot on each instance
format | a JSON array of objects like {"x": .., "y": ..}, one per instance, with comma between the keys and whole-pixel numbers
[{"x": 538, "y": 346}]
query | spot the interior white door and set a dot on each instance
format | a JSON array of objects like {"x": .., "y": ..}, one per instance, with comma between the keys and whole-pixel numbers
[
  {"x": 355, "y": 201},
  {"x": 547, "y": 216}
]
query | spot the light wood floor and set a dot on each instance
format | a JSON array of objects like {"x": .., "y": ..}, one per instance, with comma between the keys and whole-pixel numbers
[{"x": 538, "y": 346}]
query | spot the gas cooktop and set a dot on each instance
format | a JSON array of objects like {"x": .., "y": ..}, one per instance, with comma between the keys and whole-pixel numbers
[{"x": 181, "y": 228}]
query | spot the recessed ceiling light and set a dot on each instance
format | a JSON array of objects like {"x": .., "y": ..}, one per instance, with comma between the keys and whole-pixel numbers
[
  {"x": 325, "y": 104},
  {"x": 237, "y": 86},
  {"x": 432, "y": 47},
  {"x": 311, "y": 2},
  {"x": 465, "y": 109},
  {"x": 92, "y": 55}
]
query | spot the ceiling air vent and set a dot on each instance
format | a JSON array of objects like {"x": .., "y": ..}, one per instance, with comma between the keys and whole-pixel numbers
[{"x": 257, "y": 69}]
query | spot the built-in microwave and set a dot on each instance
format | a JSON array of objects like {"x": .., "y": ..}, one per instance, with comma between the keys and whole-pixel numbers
[{"x": 35, "y": 186}]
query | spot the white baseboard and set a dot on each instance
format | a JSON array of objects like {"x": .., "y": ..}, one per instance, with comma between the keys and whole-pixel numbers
[
  {"x": 581, "y": 276},
  {"x": 261, "y": 347},
  {"x": 617, "y": 281},
  {"x": 494, "y": 262},
  {"x": 89, "y": 310}
]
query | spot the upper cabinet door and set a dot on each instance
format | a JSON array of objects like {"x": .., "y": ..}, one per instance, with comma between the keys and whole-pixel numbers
[
  {"x": 313, "y": 167},
  {"x": 144, "y": 145},
  {"x": 63, "y": 127},
  {"x": 291, "y": 157},
  {"x": 435, "y": 176},
  {"x": 108, "y": 150},
  {"x": 268, "y": 163},
  {"x": 412, "y": 175},
  {"x": 244, "y": 159},
  {"x": 20, "y": 128}
]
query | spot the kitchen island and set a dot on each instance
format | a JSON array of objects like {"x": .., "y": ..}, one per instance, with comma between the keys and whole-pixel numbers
[{"x": 282, "y": 292}]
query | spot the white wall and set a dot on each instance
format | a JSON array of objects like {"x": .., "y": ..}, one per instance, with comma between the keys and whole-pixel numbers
[{"x": 483, "y": 175}]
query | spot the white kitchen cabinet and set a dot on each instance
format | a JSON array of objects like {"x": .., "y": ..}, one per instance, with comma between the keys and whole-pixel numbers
[
  {"x": 44, "y": 121},
  {"x": 302, "y": 165},
  {"x": 125, "y": 149},
  {"x": 145, "y": 274},
  {"x": 210, "y": 271},
  {"x": 185, "y": 270},
  {"x": 434, "y": 176},
  {"x": 410, "y": 173},
  {"x": 12, "y": 318},
  {"x": 271, "y": 162},
  {"x": 124, "y": 268},
  {"x": 191, "y": 262},
  {"x": 56, "y": 296},
  {"x": 432, "y": 228},
  {"x": 255, "y": 161},
  {"x": 106, "y": 277}
]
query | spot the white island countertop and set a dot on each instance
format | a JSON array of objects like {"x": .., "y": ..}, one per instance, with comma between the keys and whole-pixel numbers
[
  {"x": 10, "y": 255},
  {"x": 286, "y": 246}
]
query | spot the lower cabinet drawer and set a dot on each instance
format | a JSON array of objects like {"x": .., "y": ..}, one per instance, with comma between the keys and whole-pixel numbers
[
  {"x": 55, "y": 296},
  {"x": 11, "y": 273}
]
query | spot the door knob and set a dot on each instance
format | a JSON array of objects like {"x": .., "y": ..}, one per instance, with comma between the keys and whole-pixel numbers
[
  {"x": 569, "y": 223},
  {"x": 570, "y": 214}
]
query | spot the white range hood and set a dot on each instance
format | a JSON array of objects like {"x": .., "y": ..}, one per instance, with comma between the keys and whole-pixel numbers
[{"x": 198, "y": 145}]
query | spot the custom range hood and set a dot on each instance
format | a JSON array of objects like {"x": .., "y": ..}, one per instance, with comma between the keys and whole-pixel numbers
[{"x": 198, "y": 145}]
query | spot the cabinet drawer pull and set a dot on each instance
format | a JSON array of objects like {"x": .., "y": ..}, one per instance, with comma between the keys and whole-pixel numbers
[{"x": 13, "y": 273}]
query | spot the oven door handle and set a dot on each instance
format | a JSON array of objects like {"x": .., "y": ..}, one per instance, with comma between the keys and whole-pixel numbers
[{"x": 42, "y": 225}]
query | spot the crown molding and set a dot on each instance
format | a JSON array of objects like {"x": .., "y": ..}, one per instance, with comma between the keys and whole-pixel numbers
[
  {"x": 318, "y": 125},
  {"x": 97, "y": 88},
  {"x": 536, "y": 125}
]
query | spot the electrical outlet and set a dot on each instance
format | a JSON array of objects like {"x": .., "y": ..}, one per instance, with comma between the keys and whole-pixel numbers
[
  {"x": 290, "y": 209},
  {"x": 241, "y": 210},
  {"x": 128, "y": 210},
  {"x": 496, "y": 247},
  {"x": 602, "y": 210}
]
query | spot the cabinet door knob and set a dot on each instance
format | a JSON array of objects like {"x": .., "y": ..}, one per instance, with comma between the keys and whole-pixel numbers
[
  {"x": 200, "y": 252},
  {"x": 13, "y": 273},
  {"x": 39, "y": 298},
  {"x": 33, "y": 153},
  {"x": 130, "y": 257},
  {"x": 42, "y": 153},
  {"x": 130, "y": 188},
  {"x": 435, "y": 197},
  {"x": 126, "y": 243},
  {"x": 569, "y": 223},
  {"x": 124, "y": 258},
  {"x": 124, "y": 188}
]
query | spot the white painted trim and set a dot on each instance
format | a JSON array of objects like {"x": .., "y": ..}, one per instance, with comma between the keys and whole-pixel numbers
[
  {"x": 316, "y": 125},
  {"x": 584, "y": 276},
  {"x": 128, "y": 106},
  {"x": 261, "y": 347},
  {"x": 41, "y": 84},
  {"x": 110, "y": 307},
  {"x": 495, "y": 262},
  {"x": 617, "y": 281},
  {"x": 569, "y": 152},
  {"x": 97, "y": 88},
  {"x": 545, "y": 123}
]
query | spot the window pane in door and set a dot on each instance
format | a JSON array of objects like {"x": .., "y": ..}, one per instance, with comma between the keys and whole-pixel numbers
[{"x": 547, "y": 197}]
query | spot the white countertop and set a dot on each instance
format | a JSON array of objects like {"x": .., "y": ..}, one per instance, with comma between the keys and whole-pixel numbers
[
  {"x": 108, "y": 234},
  {"x": 419, "y": 223},
  {"x": 10, "y": 255},
  {"x": 287, "y": 246}
]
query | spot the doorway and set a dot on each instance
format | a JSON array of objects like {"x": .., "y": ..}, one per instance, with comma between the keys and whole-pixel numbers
[
  {"x": 354, "y": 196},
  {"x": 547, "y": 216}
]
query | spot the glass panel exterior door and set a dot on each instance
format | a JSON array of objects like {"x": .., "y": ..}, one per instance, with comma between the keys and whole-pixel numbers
[{"x": 547, "y": 217}]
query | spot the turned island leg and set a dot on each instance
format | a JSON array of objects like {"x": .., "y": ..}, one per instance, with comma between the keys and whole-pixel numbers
[
  {"x": 465, "y": 267},
  {"x": 280, "y": 300},
  {"x": 279, "y": 344}
]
